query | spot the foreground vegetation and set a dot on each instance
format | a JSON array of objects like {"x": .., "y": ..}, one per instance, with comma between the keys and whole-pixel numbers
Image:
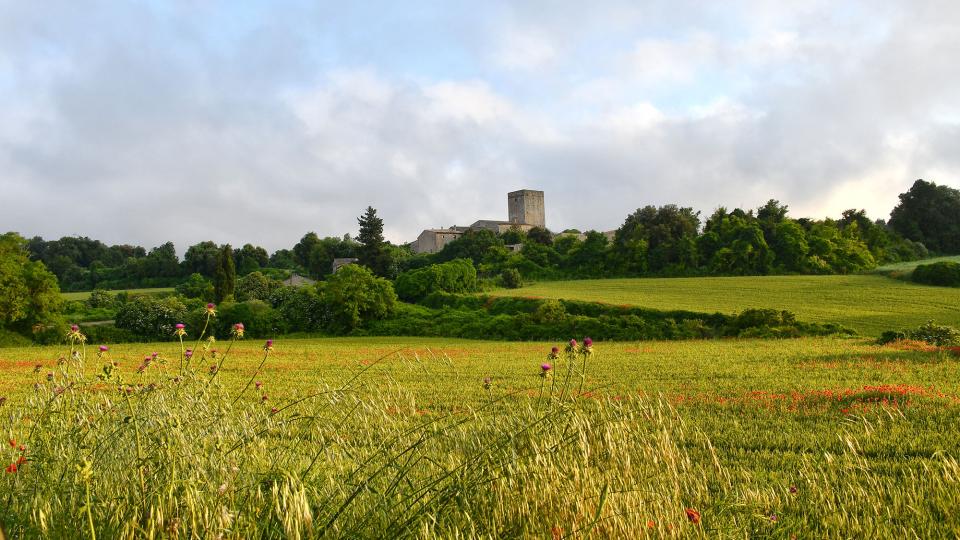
[
  {"x": 869, "y": 304},
  {"x": 813, "y": 437}
]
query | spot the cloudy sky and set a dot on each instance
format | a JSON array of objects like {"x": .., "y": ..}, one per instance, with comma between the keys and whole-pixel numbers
[{"x": 142, "y": 122}]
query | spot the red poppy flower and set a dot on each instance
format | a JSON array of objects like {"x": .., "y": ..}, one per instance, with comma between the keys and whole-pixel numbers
[{"x": 693, "y": 515}]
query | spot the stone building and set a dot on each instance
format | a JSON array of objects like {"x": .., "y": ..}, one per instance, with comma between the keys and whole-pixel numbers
[
  {"x": 433, "y": 240},
  {"x": 525, "y": 210},
  {"x": 526, "y": 207},
  {"x": 341, "y": 262}
]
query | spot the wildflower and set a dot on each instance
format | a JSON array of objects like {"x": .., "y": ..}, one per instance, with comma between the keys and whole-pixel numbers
[
  {"x": 651, "y": 524},
  {"x": 3, "y": 399},
  {"x": 554, "y": 353},
  {"x": 573, "y": 344},
  {"x": 693, "y": 515},
  {"x": 12, "y": 468},
  {"x": 21, "y": 460},
  {"x": 773, "y": 517},
  {"x": 487, "y": 383},
  {"x": 274, "y": 410},
  {"x": 587, "y": 342},
  {"x": 13, "y": 443},
  {"x": 154, "y": 355},
  {"x": 258, "y": 384},
  {"x": 102, "y": 349},
  {"x": 213, "y": 369},
  {"x": 180, "y": 330},
  {"x": 37, "y": 368},
  {"x": 264, "y": 398},
  {"x": 212, "y": 309},
  {"x": 269, "y": 345},
  {"x": 75, "y": 335},
  {"x": 545, "y": 370},
  {"x": 793, "y": 489},
  {"x": 188, "y": 353},
  {"x": 238, "y": 330},
  {"x": 49, "y": 376}
]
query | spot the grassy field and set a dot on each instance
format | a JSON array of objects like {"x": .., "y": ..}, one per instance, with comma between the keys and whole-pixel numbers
[
  {"x": 906, "y": 267},
  {"x": 813, "y": 437},
  {"x": 83, "y": 295},
  {"x": 868, "y": 304}
]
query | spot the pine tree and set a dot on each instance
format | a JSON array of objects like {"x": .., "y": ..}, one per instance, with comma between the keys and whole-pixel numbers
[
  {"x": 225, "y": 280},
  {"x": 373, "y": 252}
]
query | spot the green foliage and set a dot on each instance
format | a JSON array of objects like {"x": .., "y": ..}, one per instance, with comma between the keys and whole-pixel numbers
[
  {"x": 316, "y": 255},
  {"x": 354, "y": 296},
  {"x": 100, "y": 298},
  {"x": 259, "y": 318},
  {"x": 456, "y": 276},
  {"x": 225, "y": 280},
  {"x": 151, "y": 317},
  {"x": 935, "y": 334},
  {"x": 929, "y": 214},
  {"x": 301, "y": 309},
  {"x": 29, "y": 293},
  {"x": 197, "y": 286},
  {"x": 944, "y": 274},
  {"x": 511, "y": 278},
  {"x": 373, "y": 252},
  {"x": 524, "y": 319},
  {"x": 256, "y": 286}
]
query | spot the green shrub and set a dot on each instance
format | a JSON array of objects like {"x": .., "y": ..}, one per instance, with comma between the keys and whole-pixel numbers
[
  {"x": 151, "y": 317},
  {"x": 196, "y": 286},
  {"x": 354, "y": 296},
  {"x": 456, "y": 276},
  {"x": 100, "y": 298},
  {"x": 891, "y": 336},
  {"x": 13, "y": 339},
  {"x": 944, "y": 274},
  {"x": 935, "y": 334},
  {"x": 511, "y": 278},
  {"x": 256, "y": 286}
]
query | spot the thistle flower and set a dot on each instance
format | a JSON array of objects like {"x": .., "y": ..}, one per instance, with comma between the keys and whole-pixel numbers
[
  {"x": 258, "y": 384},
  {"x": 793, "y": 489},
  {"x": 587, "y": 348},
  {"x": 587, "y": 342},
  {"x": 274, "y": 410},
  {"x": 545, "y": 369},
  {"x": 554, "y": 353},
  {"x": 212, "y": 309},
  {"x": 213, "y": 369},
  {"x": 188, "y": 353},
  {"x": 773, "y": 517},
  {"x": 75, "y": 335},
  {"x": 487, "y": 383},
  {"x": 238, "y": 330},
  {"x": 264, "y": 398},
  {"x": 49, "y": 376},
  {"x": 180, "y": 330},
  {"x": 268, "y": 346},
  {"x": 37, "y": 368},
  {"x": 3, "y": 400}
]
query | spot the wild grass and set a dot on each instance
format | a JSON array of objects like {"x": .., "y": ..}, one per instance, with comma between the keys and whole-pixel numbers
[
  {"x": 868, "y": 304},
  {"x": 397, "y": 437}
]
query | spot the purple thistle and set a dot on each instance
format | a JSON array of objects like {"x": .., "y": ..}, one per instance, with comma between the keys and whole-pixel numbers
[
  {"x": 546, "y": 367},
  {"x": 180, "y": 326},
  {"x": 104, "y": 348},
  {"x": 588, "y": 342}
]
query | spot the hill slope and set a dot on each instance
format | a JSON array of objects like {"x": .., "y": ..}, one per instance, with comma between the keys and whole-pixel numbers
[{"x": 869, "y": 304}]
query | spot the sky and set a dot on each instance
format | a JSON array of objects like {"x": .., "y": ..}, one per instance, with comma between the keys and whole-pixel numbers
[{"x": 239, "y": 121}]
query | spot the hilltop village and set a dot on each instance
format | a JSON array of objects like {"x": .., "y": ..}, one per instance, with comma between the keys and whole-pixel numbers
[{"x": 525, "y": 210}]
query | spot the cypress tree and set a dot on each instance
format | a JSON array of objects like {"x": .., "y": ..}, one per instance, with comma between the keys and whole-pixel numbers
[
  {"x": 225, "y": 280},
  {"x": 373, "y": 252}
]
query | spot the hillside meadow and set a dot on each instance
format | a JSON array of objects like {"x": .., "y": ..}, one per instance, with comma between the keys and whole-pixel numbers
[
  {"x": 365, "y": 437},
  {"x": 868, "y": 304}
]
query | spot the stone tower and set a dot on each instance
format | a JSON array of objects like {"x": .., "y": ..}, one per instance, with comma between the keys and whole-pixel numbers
[{"x": 526, "y": 207}]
